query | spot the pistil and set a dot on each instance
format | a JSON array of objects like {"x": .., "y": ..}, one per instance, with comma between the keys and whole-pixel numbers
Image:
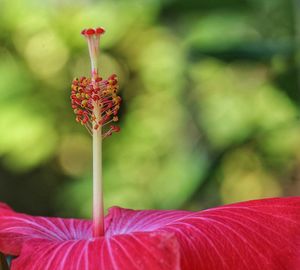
[
  {"x": 96, "y": 105},
  {"x": 93, "y": 38}
]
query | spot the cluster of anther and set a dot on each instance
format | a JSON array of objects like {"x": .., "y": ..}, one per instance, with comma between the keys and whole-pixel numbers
[{"x": 96, "y": 103}]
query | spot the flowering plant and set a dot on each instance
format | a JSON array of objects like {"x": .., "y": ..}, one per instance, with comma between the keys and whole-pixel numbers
[{"x": 261, "y": 234}]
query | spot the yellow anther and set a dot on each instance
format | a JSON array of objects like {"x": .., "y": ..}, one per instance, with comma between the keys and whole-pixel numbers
[
  {"x": 115, "y": 118},
  {"x": 84, "y": 102}
]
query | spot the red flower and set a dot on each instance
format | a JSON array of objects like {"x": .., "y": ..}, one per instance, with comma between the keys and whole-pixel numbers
[{"x": 262, "y": 234}]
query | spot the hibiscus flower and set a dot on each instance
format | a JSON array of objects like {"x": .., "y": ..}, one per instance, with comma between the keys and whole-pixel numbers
[{"x": 254, "y": 235}]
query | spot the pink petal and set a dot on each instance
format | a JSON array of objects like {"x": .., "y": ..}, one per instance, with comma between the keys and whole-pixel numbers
[
  {"x": 262, "y": 234},
  {"x": 138, "y": 251},
  {"x": 4, "y": 206},
  {"x": 16, "y": 229}
]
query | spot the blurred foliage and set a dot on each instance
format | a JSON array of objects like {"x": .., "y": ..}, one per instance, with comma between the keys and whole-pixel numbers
[{"x": 210, "y": 103}]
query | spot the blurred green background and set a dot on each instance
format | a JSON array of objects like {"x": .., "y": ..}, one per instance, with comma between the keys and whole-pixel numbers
[{"x": 211, "y": 99}]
